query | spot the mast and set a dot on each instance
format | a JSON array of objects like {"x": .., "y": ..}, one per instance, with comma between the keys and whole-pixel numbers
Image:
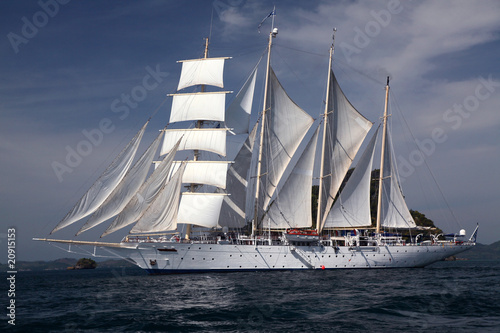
[
  {"x": 255, "y": 222},
  {"x": 382, "y": 154},
  {"x": 319, "y": 220},
  {"x": 199, "y": 124}
]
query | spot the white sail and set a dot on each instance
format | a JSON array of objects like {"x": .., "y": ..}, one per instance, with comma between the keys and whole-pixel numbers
[
  {"x": 292, "y": 206},
  {"x": 238, "y": 112},
  {"x": 238, "y": 116},
  {"x": 161, "y": 214},
  {"x": 286, "y": 126},
  {"x": 203, "y": 172},
  {"x": 201, "y": 209},
  {"x": 202, "y": 71},
  {"x": 346, "y": 130},
  {"x": 105, "y": 185},
  {"x": 395, "y": 213},
  {"x": 198, "y": 106},
  {"x": 209, "y": 139},
  {"x": 145, "y": 196},
  {"x": 232, "y": 212},
  {"x": 352, "y": 208},
  {"x": 129, "y": 185}
]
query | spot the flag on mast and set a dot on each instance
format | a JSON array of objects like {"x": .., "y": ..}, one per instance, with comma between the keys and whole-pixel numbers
[{"x": 272, "y": 13}]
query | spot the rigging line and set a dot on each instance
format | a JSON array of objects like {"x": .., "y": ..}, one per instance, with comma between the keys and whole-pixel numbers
[
  {"x": 336, "y": 61},
  {"x": 295, "y": 74},
  {"x": 402, "y": 120},
  {"x": 246, "y": 77},
  {"x": 395, "y": 173},
  {"x": 353, "y": 69},
  {"x": 394, "y": 207},
  {"x": 211, "y": 24},
  {"x": 392, "y": 157},
  {"x": 303, "y": 51},
  {"x": 247, "y": 51},
  {"x": 117, "y": 157},
  {"x": 369, "y": 97},
  {"x": 120, "y": 143},
  {"x": 407, "y": 139},
  {"x": 427, "y": 166},
  {"x": 158, "y": 108},
  {"x": 350, "y": 217}
]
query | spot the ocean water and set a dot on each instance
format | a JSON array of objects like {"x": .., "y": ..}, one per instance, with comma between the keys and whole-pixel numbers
[{"x": 461, "y": 296}]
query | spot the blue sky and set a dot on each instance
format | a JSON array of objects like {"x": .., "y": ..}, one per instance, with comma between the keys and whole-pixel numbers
[{"x": 66, "y": 68}]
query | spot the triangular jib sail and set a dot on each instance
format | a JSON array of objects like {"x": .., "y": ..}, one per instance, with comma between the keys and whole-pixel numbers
[
  {"x": 286, "y": 126},
  {"x": 161, "y": 214},
  {"x": 394, "y": 212},
  {"x": 292, "y": 206},
  {"x": 129, "y": 186},
  {"x": 105, "y": 185},
  {"x": 345, "y": 130},
  {"x": 146, "y": 194},
  {"x": 352, "y": 208},
  {"x": 234, "y": 206},
  {"x": 238, "y": 112}
]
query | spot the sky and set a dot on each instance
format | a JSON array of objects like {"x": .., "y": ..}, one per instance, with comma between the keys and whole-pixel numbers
[{"x": 84, "y": 76}]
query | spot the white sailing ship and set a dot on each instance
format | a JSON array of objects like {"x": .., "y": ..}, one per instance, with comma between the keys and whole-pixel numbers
[{"x": 254, "y": 213}]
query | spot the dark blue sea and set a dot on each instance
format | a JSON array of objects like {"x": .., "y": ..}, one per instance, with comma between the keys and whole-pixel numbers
[{"x": 461, "y": 296}]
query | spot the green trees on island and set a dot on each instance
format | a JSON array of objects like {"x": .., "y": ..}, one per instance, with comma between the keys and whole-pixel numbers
[{"x": 84, "y": 263}]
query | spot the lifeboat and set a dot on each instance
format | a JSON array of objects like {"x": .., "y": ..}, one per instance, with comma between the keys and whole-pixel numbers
[{"x": 302, "y": 235}]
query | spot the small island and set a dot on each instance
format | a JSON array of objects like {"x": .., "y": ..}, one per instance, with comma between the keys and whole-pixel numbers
[{"x": 84, "y": 263}]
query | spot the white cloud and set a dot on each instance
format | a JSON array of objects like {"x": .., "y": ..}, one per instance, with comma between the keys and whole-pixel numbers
[{"x": 441, "y": 27}]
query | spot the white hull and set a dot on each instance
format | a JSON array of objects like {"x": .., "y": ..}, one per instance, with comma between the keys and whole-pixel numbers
[{"x": 173, "y": 257}]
